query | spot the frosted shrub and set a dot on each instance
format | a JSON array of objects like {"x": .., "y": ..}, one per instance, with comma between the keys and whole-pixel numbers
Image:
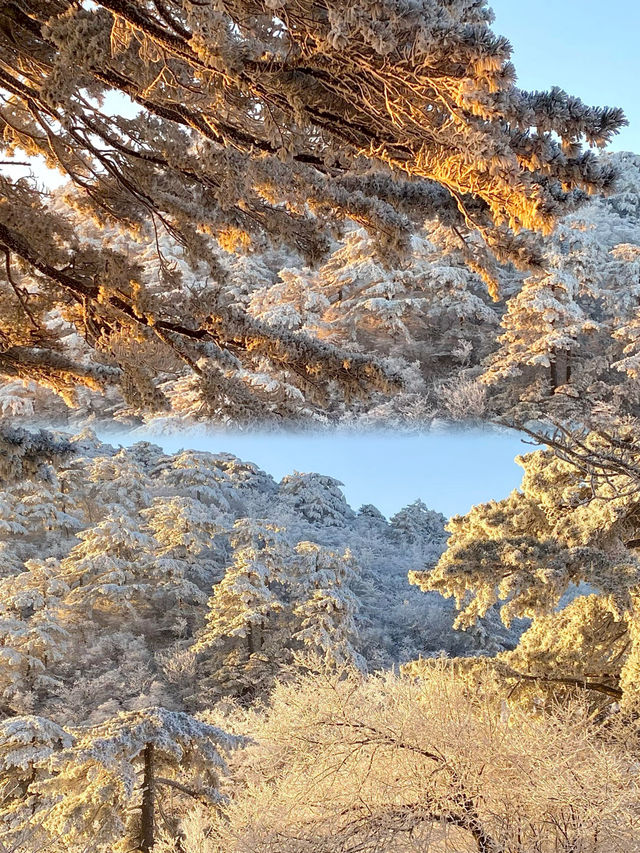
[
  {"x": 463, "y": 399},
  {"x": 397, "y": 764}
]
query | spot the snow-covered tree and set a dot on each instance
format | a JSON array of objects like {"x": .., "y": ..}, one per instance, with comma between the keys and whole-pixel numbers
[
  {"x": 194, "y": 474},
  {"x": 248, "y": 488},
  {"x": 426, "y": 307},
  {"x": 107, "y": 788},
  {"x": 12, "y": 527},
  {"x": 33, "y": 637},
  {"x": 185, "y": 528},
  {"x": 568, "y": 343},
  {"x": 272, "y": 127},
  {"x": 416, "y": 523},
  {"x": 42, "y": 505},
  {"x": 370, "y": 522},
  {"x": 543, "y": 325},
  {"x": 26, "y": 745},
  {"x": 317, "y": 498},
  {"x": 25, "y": 451},
  {"x": 114, "y": 572},
  {"x": 564, "y": 557},
  {"x": 626, "y": 299},
  {"x": 241, "y": 643},
  {"x": 118, "y": 484},
  {"x": 326, "y": 606}
]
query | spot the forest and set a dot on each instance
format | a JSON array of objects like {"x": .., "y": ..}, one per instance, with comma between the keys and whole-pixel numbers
[
  {"x": 311, "y": 215},
  {"x": 184, "y": 627}
]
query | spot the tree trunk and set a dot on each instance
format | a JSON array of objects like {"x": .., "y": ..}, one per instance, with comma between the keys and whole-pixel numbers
[
  {"x": 560, "y": 369},
  {"x": 147, "y": 821},
  {"x": 254, "y": 639}
]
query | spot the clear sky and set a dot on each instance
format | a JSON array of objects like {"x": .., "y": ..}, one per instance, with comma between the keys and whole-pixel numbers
[
  {"x": 588, "y": 47},
  {"x": 450, "y": 472}
]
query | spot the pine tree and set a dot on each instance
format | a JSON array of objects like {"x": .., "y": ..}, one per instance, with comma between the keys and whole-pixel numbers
[
  {"x": 12, "y": 518},
  {"x": 26, "y": 744},
  {"x": 273, "y": 125},
  {"x": 425, "y": 306},
  {"x": 370, "y": 521},
  {"x": 627, "y": 329},
  {"x": 326, "y": 607},
  {"x": 33, "y": 637},
  {"x": 241, "y": 645},
  {"x": 196, "y": 476},
  {"x": 317, "y": 498},
  {"x": 118, "y": 486},
  {"x": 25, "y": 451},
  {"x": 186, "y": 530},
  {"x": 565, "y": 558},
  {"x": 567, "y": 327},
  {"x": 107, "y": 788},
  {"x": 42, "y": 505},
  {"x": 542, "y": 326},
  {"x": 114, "y": 573},
  {"x": 416, "y": 523}
]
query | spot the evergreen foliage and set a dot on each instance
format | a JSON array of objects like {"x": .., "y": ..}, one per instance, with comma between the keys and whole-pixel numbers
[{"x": 197, "y": 144}]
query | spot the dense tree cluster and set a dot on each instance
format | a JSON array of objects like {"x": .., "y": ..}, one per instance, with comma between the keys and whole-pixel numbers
[
  {"x": 181, "y": 632},
  {"x": 137, "y": 534},
  {"x": 559, "y": 343},
  {"x": 292, "y": 212},
  {"x": 200, "y": 560},
  {"x": 141, "y": 588},
  {"x": 187, "y": 130}
]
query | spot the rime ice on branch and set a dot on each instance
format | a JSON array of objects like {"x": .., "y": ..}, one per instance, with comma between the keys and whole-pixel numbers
[{"x": 255, "y": 123}]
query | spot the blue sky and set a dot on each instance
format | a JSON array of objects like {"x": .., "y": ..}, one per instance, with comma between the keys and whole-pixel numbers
[
  {"x": 588, "y": 47},
  {"x": 450, "y": 472}
]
